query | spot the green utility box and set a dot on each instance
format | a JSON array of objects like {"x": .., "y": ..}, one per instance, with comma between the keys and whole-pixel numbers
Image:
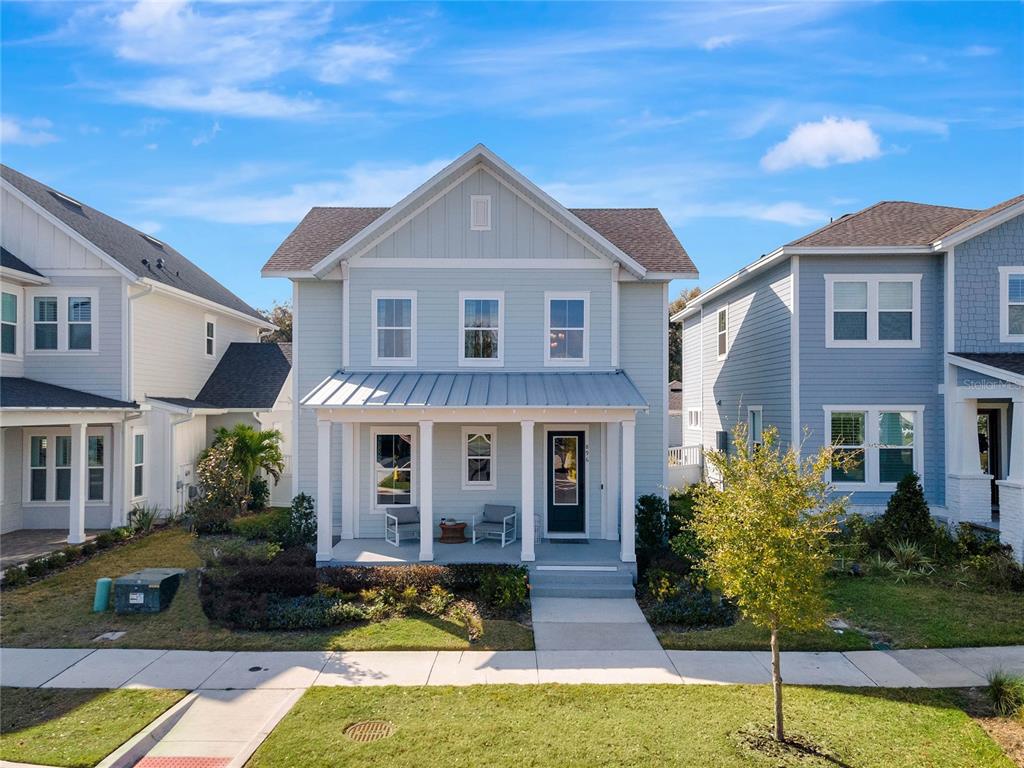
[{"x": 147, "y": 591}]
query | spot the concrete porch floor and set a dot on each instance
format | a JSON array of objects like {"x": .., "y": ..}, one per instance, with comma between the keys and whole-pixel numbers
[
  {"x": 548, "y": 552},
  {"x": 20, "y": 546}
]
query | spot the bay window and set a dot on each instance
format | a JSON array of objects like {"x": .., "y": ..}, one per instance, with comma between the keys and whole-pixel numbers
[{"x": 45, "y": 319}]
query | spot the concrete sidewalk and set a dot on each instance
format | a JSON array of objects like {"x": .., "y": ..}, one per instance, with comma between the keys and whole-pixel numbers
[{"x": 298, "y": 670}]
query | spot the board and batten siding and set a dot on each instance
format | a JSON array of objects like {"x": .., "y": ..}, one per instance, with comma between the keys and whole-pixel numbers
[
  {"x": 518, "y": 230},
  {"x": 977, "y": 290},
  {"x": 874, "y": 376},
  {"x": 169, "y": 345},
  {"x": 98, "y": 371},
  {"x": 691, "y": 367},
  {"x": 756, "y": 368},
  {"x": 38, "y": 242},
  {"x": 438, "y": 334}
]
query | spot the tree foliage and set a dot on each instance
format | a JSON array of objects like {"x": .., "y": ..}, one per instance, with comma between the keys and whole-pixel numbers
[
  {"x": 675, "y": 334},
  {"x": 907, "y": 517},
  {"x": 766, "y": 533},
  {"x": 248, "y": 451},
  {"x": 281, "y": 316}
]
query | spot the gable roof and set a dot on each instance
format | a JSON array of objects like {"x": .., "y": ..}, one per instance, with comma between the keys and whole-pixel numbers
[
  {"x": 249, "y": 375},
  {"x": 899, "y": 224},
  {"x": 127, "y": 245},
  {"x": 9, "y": 261},
  {"x": 638, "y": 238}
]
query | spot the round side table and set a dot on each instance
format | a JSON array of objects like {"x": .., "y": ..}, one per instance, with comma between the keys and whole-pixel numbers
[{"x": 453, "y": 533}]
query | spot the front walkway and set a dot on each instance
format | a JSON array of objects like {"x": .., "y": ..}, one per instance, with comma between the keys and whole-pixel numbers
[
  {"x": 26, "y": 544},
  {"x": 291, "y": 670}
]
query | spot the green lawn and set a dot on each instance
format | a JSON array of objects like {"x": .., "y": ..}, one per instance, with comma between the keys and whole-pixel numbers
[
  {"x": 74, "y": 727},
  {"x": 916, "y": 614},
  {"x": 558, "y": 726},
  {"x": 56, "y": 612}
]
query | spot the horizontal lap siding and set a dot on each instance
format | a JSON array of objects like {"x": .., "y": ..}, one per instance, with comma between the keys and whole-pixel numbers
[
  {"x": 437, "y": 312},
  {"x": 691, "y": 377},
  {"x": 977, "y": 286},
  {"x": 756, "y": 370},
  {"x": 99, "y": 372},
  {"x": 874, "y": 376},
  {"x": 643, "y": 325}
]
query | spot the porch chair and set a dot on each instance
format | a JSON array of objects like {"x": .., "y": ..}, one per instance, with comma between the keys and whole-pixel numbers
[
  {"x": 401, "y": 523},
  {"x": 498, "y": 521}
]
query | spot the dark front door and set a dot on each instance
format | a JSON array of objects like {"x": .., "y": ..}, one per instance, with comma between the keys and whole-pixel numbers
[
  {"x": 989, "y": 444},
  {"x": 566, "y": 465}
]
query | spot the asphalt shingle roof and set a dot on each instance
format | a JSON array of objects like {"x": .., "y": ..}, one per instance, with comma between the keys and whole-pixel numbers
[
  {"x": 28, "y": 393},
  {"x": 1012, "y": 362},
  {"x": 10, "y": 261},
  {"x": 897, "y": 223},
  {"x": 127, "y": 245},
  {"x": 641, "y": 233},
  {"x": 249, "y": 375}
]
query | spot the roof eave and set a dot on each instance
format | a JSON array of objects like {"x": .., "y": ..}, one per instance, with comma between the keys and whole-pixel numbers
[
  {"x": 207, "y": 303},
  {"x": 11, "y": 273},
  {"x": 985, "y": 369},
  {"x": 980, "y": 226}
]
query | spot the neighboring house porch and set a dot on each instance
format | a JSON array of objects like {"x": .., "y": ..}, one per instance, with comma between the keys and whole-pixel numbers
[
  {"x": 985, "y": 420},
  {"x": 560, "y": 447},
  {"x": 63, "y": 458}
]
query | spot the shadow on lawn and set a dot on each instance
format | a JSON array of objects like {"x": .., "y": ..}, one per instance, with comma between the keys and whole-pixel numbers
[{"x": 28, "y": 707}]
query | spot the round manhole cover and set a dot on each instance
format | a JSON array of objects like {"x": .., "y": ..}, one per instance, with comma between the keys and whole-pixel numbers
[{"x": 370, "y": 730}]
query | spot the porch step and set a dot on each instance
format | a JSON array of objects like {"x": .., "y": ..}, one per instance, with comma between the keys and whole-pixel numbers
[{"x": 618, "y": 583}]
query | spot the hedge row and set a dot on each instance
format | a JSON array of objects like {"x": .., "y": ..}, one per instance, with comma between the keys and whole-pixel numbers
[{"x": 37, "y": 568}]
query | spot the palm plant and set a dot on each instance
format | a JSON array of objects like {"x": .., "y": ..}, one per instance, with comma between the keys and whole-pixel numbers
[{"x": 254, "y": 450}]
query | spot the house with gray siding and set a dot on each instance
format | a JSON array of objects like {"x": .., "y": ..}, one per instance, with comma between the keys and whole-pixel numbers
[
  {"x": 479, "y": 353},
  {"x": 119, "y": 357},
  {"x": 895, "y": 334}
]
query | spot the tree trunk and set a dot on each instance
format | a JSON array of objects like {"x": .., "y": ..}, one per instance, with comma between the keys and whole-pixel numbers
[{"x": 777, "y": 686}]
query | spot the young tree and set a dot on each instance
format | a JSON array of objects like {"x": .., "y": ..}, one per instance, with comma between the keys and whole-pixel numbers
[
  {"x": 252, "y": 450},
  {"x": 766, "y": 535}
]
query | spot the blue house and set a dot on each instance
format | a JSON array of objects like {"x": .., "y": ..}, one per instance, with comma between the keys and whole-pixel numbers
[
  {"x": 479, "y": 355},
  {"x": 896, "y": 334}
]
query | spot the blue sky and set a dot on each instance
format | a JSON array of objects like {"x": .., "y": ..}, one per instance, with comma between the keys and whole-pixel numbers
[{"x": 215, "y": 127}]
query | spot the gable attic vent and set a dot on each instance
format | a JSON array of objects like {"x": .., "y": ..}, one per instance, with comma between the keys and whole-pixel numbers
[
  {"x": 61, "y": 197},
  {"x": 480, "y": 212},
  {"x": 152, "y": 240}
]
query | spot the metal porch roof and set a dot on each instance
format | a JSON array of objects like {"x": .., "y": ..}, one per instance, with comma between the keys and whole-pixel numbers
[{"x": 479, "y": 389}]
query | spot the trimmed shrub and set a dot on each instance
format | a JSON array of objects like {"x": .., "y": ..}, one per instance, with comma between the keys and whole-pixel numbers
[
  {"x": 56, "y": 560},
  {"x": 259, "y": 494},
  {"x": 206, "y": 516},
  {"x": 105, "y": 540},
  {"x": 14, "y": 577},
  {"x": 504, "y": 590},
  {"x": 301, "y": 529},
  {"x": 1006, "y": 693},
  {"x": 651, "y": 525},
  {"x": 693, "y": 607},
  {"x": 88, "y": 549},
  {"x": 38, "y": 567},
  {"x": 997, "y": 570},
  {"x": 682, "y": 539},
  {"x": 72, "y": 552},
  {"x": 311, "y": 613},
  {"x": 271, "y": 525},
  {"x": 906, "y": 515}
]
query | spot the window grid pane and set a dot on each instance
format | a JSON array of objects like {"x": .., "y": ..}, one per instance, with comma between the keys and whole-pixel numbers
[
  {"x": 850, "y": 296},
  {"x": 79, "y": 309},
  {"x": 45, "y": 309},
  {"x": 848, "y": 428},
  {"x": 9, "y": 339},
  {"x": 37, "y": 462},
  {"x": 1016, "y": 324},
  {"x": 850, "y": 326},
  {"x": 895, "y": 326},
  {"x": 896, "y": 295},
  {"x": 1016, "y": 289}
]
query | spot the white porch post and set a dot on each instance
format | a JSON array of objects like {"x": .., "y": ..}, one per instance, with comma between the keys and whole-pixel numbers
[
  {"x": 79, "y": 475},
  {"x": 118, "y": 473},
  {"x": 970, "y": 455},
  {"x": 613, "y": 474},
  {"x": 1016, "y": 473},
  {"x": 628, "y": 545},
  {"x": 348, "y": 480},
  {"x": 526, "y": 494},
  {"x": 324, "y": 515},
  {"x": 1011, "y": 490},
  {"x": 426, "y": 481}
]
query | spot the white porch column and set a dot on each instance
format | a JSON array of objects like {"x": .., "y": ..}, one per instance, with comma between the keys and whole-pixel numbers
[
  {"x": 324, "y": 514},
  {"x": 79, "y": 475},
  {"x": 426, "y": 481},
  {"x": 1016, "y": 473},
  {"x": 614, "y": 472},
  {"x": 348, "y": 480},
  {"x": 627, "y": 548},
  {"x": 528, "y": 533},
  {"x": 1011, "y": 490},
  {"x": 119, "y": 491},
  {"x": 970, "y": 455}
]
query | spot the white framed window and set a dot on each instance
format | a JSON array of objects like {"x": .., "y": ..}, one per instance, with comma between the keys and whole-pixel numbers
[
  {"x": 63, "y": 320},
  {"x": 394, "y": 467},
  {"x": 138, "y": 464},
  {"x": 722, "y": 332},
  {"x": 567, "y": 324},
  {"x": 479, "y": 468},
  {"x": 755, "y": 426},
  {"x": 481, "y": 323},
  {"x": 480, "y": 213},
  {"x": 884, "y": 441},
  {"x": 210, "y": 335},
  {"x": 872, "y": 310},
  {"x": 394, "y": 327},
  {"x": 693, "y": 418},
  {"x": 48, "y": 476},
  {"x": 1011, "y": 304},
  {"x": 10, "y": 314}
]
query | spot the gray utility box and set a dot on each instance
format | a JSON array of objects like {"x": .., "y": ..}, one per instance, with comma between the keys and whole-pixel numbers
[{"x": 147, "y": 591}]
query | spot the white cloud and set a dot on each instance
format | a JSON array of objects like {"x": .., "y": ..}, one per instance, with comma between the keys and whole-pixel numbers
[
  {"x": 32, "y": 132},
  {"x": 222, "y": 200},
  {"x": 149, "y": 227},
  {"x": 150, "y": 147},
  {"x": 180, "y": 94},
  {"x": 827, "y": 142},
  {"x": 715, "y": 42},
  {"x": 205, "y": 137},
  {"x": 145, "y": 126},
  {"x": 980, "y": 50},
  {"x": 340, "y": 63}
]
